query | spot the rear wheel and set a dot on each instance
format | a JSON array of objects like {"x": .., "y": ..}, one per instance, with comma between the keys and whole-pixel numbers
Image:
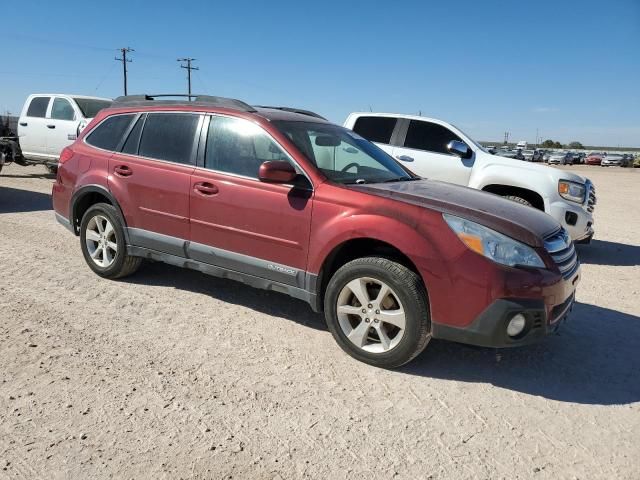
[
  {"x": 103, "y": 243},
  {"x": 377, "y": 311},
  {"x": 52, "y": 169}
]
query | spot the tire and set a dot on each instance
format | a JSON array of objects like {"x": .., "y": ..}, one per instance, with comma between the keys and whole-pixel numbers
[
  {"x": 52, "y": 169},
  {"x": 406, "y": 304},
  {"x": 515, "y": 198},
  {"x": 116, "y": 263}
]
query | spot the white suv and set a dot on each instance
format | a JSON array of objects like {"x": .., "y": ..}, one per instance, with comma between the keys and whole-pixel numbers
[
  {"x": 50, "y": 122},
  {"x": 437, "y": 150}
]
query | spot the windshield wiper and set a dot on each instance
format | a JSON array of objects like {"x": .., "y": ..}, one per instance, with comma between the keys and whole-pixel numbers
[{"x": 399, "y": 179}]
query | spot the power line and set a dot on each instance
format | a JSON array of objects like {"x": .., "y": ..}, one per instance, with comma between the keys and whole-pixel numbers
[
  {"x": 188, "y": 67},
  {"x": 124, "y": 61}
]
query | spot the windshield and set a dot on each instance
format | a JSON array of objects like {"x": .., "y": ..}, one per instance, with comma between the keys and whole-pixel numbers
[
  {"x": 342, "y": 155},
  {"x": 90, "y": 107}
]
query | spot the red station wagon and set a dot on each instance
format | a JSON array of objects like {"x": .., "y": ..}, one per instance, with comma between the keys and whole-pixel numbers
[{"x": 283, "y": 200}]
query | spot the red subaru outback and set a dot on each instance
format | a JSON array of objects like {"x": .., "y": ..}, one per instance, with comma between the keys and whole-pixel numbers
[{"x": 281, "y": 199}]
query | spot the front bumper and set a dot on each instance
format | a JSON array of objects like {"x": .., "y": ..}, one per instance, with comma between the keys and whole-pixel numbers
[
  {"x": 489, "y": 329},
  {"x": 579, "y": 223}
]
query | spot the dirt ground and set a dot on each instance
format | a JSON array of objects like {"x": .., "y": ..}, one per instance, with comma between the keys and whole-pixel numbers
[{"x": 173, "y": 374}]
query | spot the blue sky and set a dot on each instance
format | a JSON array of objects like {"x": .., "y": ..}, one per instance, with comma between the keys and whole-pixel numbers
[{"x": 568, "y": 68}]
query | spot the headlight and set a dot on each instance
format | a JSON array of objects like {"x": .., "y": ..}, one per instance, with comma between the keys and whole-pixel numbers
[
  {"x": 572, "y": 191},
  {"x": 493, "y": 245}
]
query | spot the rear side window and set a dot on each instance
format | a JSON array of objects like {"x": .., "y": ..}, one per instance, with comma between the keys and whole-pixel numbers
[
  {"x": 169, "y": 136},
  {"x": 240, "y": 147},
  {"x": 429, "y": 136},
  {"x": 62, "y": 110},
  {"x": 108, "y": 134},
  {"x": 38, "y": 107},
  {"x": 375, "y": 129}
]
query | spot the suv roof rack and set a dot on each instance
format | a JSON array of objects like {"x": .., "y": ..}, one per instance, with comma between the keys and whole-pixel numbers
[
  {"x": 160, "y": 99},
  {"x": 294, "y": 110}
]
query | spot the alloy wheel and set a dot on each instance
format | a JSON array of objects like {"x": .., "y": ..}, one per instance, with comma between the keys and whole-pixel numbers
[
  {"x": 371, "y": 315},
  {"x": 101, "y": 241}
]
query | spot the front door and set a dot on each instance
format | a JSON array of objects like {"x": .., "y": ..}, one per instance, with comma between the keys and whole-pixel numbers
[
  {"x": 62, "y": 126},
  {"x": 424, "y": 151},
  {"x": 237, "y": 221}
]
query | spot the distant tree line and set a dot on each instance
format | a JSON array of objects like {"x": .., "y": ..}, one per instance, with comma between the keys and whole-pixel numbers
[{"x": 556, "y": 144}]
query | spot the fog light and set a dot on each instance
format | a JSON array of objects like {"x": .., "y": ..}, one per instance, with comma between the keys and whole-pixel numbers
[{"x": 516, "y": 325}]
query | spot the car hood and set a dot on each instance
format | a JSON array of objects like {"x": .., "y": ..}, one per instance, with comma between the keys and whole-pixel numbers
[
  {"x": 525, "y": 224},
  {"x": 553, "y": 174}
]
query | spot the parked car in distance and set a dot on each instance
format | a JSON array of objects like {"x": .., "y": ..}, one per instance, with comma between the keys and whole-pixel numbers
[
  {"x": 613, "y": 160},
  {"x": 507, "y": 154},
  {"x": 50, "y": 122},
  {"x": 594, "y": 158},
  {"x": 437, "y": 150},
  {"x": 528, "y": 155},
  {"x": 290, "y": 202},
  {"x": 578, "y": 157},
  {"x": 636, "y": 162},
  {"x": 560, "y": 158}
]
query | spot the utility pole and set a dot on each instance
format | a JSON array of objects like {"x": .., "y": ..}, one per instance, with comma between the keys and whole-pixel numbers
[
  {"x": 189, "y": 68},
  {"x": 506, "y": 138},
  {"x": 124, "y": 61}
]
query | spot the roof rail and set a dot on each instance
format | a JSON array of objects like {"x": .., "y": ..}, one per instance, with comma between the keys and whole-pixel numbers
[
  {"x": 294, "y": 110},
  {"x": 162, "y": 99}
]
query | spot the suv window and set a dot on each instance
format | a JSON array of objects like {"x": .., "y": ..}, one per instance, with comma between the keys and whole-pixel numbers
[
  {"x": 169, "y": 136},
  {"x": 240, "y": 147},
  {"x": 133, "y": 140},
  {"x": 429, "y": 136},
  {"x": 108, "y": 134},
  {"x": 38, "y": 107},
  {"x": 62, "y": 110},
  {"x": 375, "y": 129}
]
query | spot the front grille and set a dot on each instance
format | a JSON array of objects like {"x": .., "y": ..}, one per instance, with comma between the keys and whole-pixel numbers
[
  {"x": 563, "y": 252},
  {"x": 591, "y": 197}
]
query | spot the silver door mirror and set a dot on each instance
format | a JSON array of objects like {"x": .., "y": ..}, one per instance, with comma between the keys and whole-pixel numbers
[{"x": 459, "y": 148}]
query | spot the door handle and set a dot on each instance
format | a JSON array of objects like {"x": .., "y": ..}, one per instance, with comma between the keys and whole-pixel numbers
[
  {"x": 23, "y": 124},
  {"x": 123, "y": 170},
  {"x": 205, "y": 188},
  {"x": 405, "y": 158},
  {"x": 51, "y": 126}
]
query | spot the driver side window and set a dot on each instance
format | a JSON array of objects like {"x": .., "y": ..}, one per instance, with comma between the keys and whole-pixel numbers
[
  {"x": 428, "y": 136},
  {"x": 237, "y": 146}
]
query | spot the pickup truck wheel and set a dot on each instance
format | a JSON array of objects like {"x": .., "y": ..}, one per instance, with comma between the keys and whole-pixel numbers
[
  {"x": 103, "y": 243},
  {"x": 517, "y": 199},
  {"x": 52, "y": 169},
  {"x": 377, "y": 311}
]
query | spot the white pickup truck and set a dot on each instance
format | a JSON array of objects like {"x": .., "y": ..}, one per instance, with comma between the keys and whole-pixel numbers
[
  {"x": 437, "y": 150},
  {"x": 48, "y": 123}
]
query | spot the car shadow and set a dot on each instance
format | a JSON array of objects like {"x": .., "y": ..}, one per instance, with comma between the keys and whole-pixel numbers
[
  {"x": 229, "y": 291},
  {"x": 601, "y": 252},
  {"x": 593, "y": 359},
  {"x": 13, "y": 200}
]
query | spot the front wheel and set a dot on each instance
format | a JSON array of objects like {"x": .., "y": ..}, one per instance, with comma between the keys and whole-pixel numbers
[
  {"x": 103, "y": 243},
  {"x": 515, "y": 198},
  {"x": 377, "y": 311}
]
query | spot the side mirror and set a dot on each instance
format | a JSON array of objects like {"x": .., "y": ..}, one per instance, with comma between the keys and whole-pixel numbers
[
  {"x": 277, "y": 171},
  {"x": 459, "y": 148}
]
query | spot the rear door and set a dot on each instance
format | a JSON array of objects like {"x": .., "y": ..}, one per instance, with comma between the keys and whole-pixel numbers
[
  {"x": 151, "y": 176},
  {"x": 424, "y": 150},
  {"x": 32, "y": 128},
  {"x": 62, "y": 127},
  {"x": 239, "y": 222}
]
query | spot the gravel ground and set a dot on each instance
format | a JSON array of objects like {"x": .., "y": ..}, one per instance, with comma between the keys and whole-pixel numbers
[{"x": 172, "y": 374}]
